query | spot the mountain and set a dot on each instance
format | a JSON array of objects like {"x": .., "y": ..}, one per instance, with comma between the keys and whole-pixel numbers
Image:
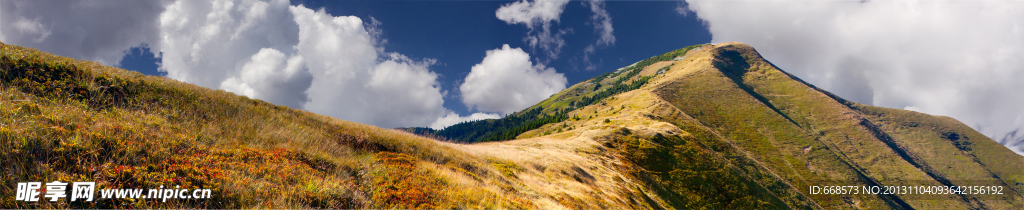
[{"x": 707, "y": 126}]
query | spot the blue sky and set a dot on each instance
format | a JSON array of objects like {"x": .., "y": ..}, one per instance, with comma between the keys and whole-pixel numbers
[
  {"x": 457, "y": 33},
  {"x": 436, "y": 63}
]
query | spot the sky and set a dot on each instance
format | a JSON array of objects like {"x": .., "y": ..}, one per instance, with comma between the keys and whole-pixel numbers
[{"x": 437, "y": 63}]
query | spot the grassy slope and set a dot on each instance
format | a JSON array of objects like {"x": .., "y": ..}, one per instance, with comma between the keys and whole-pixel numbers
[
  {"x": 721, "y": 128},
  {"x": 806, "y": 136},
  {"x": 70, "y": 120}
]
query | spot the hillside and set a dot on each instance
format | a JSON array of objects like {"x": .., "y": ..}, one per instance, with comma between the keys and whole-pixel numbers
[
  {"x": 68, "y": 120},
  {"x": 707, "y": 126}
]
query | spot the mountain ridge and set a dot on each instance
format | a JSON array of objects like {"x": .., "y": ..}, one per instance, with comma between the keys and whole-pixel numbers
[{"x": 743, "y": 73}]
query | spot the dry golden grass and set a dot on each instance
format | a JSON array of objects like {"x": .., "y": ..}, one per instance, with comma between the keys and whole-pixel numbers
[{"x": 68, "y": 120}]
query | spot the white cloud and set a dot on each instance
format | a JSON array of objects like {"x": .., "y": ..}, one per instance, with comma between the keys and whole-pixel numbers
[
  {"x": 682, "y": 8},
  {"x": 207, "y": 42},
  {"x": 602, "y": 22},
  {"x": 271, "y": 76},
  {"x": 98, "y": 30},
  {"x": 32, "y": 28},
  {"x": 958, "y": 59},
  {"x": 294, "y": 56},
  {"x": 538, "y": 16},
  {"x": 354, "y": 80},
  {"x": 453, "y": 118},
  {"x": 506, "y": 81},
  {"x": 531, "y": 13}
]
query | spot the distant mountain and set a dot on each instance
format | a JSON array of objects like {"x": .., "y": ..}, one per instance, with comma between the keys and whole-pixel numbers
[{"x": 707, "y": 126}]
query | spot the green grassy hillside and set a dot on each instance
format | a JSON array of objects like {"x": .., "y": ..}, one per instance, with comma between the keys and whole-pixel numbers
[
  {"x": 555, "y": 108},
  {"x": 702, "y": 127}
]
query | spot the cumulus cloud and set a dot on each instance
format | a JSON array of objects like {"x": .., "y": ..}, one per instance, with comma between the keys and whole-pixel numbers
[
  {"x": 355, "y": 80},
  {"x": 97, "y": 30},
  {"x": 538, "y": 16},
  {"x": 453, "y": 118},
  {"x": 295, "y": 56},
  {"x": 273, "y": 77},
  {"x": 207, "y": 42},
  {"x": 958, "y": 59},
  {"x": 507, "y": 81}
]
